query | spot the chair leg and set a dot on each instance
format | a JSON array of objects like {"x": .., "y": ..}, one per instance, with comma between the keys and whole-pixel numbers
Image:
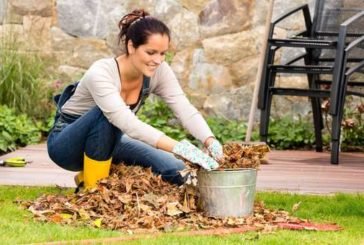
[
  {"x": 335, "y": 134},
  {"x": 318, "y": 123},
  {"x": 264, "y": 118},
  {"x": 336, "y": 130},
  {"x": 335, "y": 149},
  {"x": 335, "y": 139},
  {"x": 265, "y": 112},
  {"x": 316, "y": 113},
  {"x": 264, "y": 82},
  {"x": 336, "y": 121}
]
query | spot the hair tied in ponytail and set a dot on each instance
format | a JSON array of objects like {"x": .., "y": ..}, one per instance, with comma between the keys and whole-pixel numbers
[{"x": 137, "y": 26}]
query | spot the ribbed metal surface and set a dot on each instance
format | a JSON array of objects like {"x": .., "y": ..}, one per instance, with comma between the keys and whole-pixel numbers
[{"x": 228, "y": 193}]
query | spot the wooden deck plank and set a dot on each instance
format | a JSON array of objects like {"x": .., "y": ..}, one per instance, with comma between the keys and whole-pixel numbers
[{"x": 292, "y": 171}]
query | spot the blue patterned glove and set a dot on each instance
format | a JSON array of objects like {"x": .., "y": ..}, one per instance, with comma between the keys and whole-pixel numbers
[
  {"x": 194, "y": 155},
  {"x": 215, "y": 149}
]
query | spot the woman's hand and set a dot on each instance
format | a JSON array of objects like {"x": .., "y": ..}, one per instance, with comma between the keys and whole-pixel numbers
[
  {"x": 192, "y": 154},
  {"x": 214, "y": 148}
]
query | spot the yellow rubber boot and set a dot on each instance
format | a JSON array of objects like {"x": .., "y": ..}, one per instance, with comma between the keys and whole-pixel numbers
[{"x": 94, "y": 170}]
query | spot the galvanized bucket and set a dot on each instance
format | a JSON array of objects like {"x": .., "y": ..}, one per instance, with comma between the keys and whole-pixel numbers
[{"x": 227, "y": 193}]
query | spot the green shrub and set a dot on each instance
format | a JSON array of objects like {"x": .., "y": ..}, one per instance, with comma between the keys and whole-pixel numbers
[
  {"x": 16, "y": 130},
  {"x": 353, "y": 128},
  {"x": 287, "y": 133},
  {"x": 228, "y": 130},
  {"x": 22, "y": 80},
  {"x": 156, "y": 113}
]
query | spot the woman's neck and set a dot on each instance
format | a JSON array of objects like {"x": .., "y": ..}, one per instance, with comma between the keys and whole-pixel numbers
[{"x": 128, "y": 72}]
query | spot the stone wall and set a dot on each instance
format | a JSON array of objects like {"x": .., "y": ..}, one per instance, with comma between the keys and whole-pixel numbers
[{"x": 216, "y": 43}]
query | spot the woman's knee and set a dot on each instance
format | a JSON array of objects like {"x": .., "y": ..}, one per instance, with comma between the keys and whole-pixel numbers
[
  {"x": 70, "y": 162},
  {"x": 103, "y": 136}
]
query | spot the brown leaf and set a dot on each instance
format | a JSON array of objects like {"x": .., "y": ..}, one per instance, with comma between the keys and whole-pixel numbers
[
  {"x": 56, "y": 218},
  {"x": 128, "y": 185},
  {"x": 172, "y": 209},
  {"x": 152, "y": 199}
]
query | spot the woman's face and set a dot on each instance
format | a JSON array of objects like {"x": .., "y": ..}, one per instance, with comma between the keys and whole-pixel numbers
[{"x": 147, "y": 57}]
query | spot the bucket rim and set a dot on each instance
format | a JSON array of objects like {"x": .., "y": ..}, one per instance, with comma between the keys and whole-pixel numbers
[{"x": 230, "y": 170}]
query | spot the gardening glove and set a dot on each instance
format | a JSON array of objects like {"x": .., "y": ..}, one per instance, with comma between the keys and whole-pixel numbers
[
  {"x": 192, "y": 154},
  {"x": 215, "y": 150}
]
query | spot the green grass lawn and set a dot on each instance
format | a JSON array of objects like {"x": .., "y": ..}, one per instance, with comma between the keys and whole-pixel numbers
[{"x": 17, "y": 225}]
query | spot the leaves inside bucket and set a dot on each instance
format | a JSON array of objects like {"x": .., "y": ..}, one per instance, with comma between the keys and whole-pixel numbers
[{"x": 238, "y": 155}]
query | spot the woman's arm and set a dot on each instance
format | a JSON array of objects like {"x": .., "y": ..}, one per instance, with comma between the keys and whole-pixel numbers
[
  {"x": 165, "y": 84},
  {"x": 166, "y": 143},
  {"x": 168, "y": 88}
]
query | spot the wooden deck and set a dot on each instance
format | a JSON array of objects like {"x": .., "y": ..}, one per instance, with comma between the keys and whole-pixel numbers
[
  {"x": 311, "y": 172},
  {"x": 292, "y": 171}
]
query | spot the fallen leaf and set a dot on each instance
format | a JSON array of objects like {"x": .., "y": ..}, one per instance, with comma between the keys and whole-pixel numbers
[
  {"x": 83, "y": 214},
  {"x": 172, "y": 209},
  {"x": 97, "y": 222},
  {"x": 56, "y": 218},
  {"x": 66, "y": 216}
]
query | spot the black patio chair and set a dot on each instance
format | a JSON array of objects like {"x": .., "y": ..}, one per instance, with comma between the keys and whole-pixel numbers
[
  {"x": 324, "y": 40},
  {"x": 346, "y": 84}
]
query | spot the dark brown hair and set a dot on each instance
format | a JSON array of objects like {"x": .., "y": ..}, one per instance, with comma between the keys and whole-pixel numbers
[{"x": 137, "y": 26}]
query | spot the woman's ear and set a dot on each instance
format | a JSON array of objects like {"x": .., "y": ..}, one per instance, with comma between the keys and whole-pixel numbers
[{"x": 131, "y": 48}]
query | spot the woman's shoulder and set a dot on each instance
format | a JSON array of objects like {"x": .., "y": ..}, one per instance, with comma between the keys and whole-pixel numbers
[
  {"x": 104, "y": 69},
  {"x": 103, "y": 63},
  {"x": 104, "y": 66},
  {"x": 163, "y": 70},
  {"x": 163, "y": 66}
]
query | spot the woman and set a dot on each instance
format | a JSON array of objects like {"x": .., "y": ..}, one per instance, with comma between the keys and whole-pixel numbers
[{"x": 96, "y": 123}]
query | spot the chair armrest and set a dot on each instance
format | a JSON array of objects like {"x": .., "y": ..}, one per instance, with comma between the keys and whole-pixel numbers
[
  {"x": 304, "y": 8},
  {"x": 354, "y": 43},
  {"x": 352, "y": 19},
  {"x": 343, "y": 32},
  {"x": 306, "y": 15},
  {"x": 354, "y": 69}
]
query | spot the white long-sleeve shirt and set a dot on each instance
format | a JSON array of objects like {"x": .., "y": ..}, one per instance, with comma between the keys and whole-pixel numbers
[{"x": 101, "y": 86}]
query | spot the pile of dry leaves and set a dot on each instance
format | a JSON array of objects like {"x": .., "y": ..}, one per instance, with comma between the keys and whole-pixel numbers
[{"x": 133, "y": 199}]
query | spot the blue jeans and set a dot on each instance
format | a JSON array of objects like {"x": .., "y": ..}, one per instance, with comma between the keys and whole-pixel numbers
[{"x": 95, "y": 136}]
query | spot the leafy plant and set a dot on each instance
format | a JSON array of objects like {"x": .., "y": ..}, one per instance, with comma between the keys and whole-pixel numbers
[
  {"x": 352, "y": 125},
  {"x": 228, "y": 130},
  {"x": 286, "y": 133},
  {"x": 22, "y": 80},
  {"x": 16, "y": 130},
  {"x": 353, "y": 128},
  {"x": 157, "y": 114}
]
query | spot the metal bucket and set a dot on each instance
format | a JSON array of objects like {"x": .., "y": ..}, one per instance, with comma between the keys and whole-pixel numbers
[{"x": 227, "y": 193}]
